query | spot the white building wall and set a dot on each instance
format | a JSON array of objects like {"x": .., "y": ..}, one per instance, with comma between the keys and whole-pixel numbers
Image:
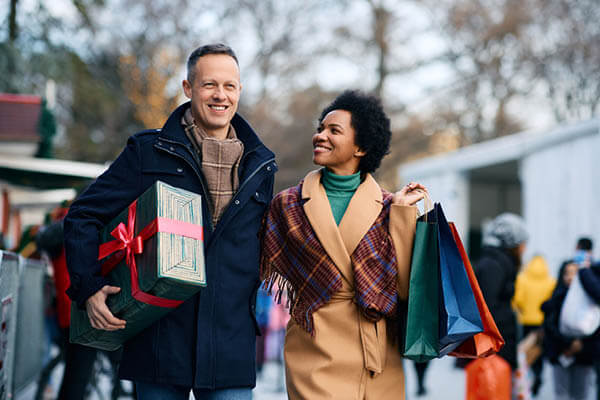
[{"x": 561, "y": 197}]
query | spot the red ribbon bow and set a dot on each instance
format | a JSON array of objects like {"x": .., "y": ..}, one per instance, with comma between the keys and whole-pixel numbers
[{"x": 127, "y": 245}]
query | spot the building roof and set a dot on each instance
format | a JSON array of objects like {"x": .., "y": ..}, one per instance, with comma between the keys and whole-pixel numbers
[
  {"x": 19, "y": 115},
  {"x": 500, "y": 150},
  {"x": 46, "y": 173}
]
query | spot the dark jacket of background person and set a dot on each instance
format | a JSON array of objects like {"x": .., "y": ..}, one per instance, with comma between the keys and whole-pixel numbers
[
  {"x": 209, "y": 340},
  {"x": 590, "y": 280},
  {"x": 556, "y": 343},
  {"x": 496, "y": 272}
]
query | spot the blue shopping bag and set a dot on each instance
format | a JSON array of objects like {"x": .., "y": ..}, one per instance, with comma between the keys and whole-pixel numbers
[{"x": 459, "y": 317}]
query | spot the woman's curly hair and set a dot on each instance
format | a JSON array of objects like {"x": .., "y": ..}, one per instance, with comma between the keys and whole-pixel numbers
[{"x": 371, "y": 124}]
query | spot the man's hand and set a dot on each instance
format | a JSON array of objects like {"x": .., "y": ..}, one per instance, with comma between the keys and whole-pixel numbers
[
  {"x": 410, "y": 194},
  {"x": 99, "y": 314}
]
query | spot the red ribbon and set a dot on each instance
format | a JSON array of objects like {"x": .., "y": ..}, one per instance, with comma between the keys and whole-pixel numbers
[{"x": 127, "y": 245}]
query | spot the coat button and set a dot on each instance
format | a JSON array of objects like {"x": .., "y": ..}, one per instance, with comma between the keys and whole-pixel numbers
[
  {"x": 180, "y": 170},
  {"x": 269, "y": 168},
  {"x": 237, "y": 202},
  {"x": 172, "y": 148},
  {"x": 160, "y": 143}
]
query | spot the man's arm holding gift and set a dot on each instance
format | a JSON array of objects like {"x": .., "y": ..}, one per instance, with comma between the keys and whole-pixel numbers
[{"x": 103, "y": 200}]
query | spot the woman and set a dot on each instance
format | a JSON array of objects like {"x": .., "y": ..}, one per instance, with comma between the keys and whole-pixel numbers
[
  {"x": 504, "y": 240},
  {"x": 533, "y": 287},
  {"x": 571, "y": 358},
  {"x": 341, "y": 246}
]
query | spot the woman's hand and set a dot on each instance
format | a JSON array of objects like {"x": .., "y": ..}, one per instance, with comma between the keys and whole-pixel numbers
[{"x": 410, "y": 194}]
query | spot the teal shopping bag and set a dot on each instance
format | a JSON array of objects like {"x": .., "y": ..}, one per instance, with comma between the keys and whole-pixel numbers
[{"x": 421, "y": 341}]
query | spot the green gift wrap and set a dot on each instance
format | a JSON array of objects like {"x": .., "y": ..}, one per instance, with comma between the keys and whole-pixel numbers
[{"x": 154, "y": 252}]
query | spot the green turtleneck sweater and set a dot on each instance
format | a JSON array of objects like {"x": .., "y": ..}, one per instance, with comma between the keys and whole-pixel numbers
[{"x": 339, "y": 189}]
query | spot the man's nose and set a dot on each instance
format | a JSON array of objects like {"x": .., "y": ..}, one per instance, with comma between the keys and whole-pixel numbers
[{"x": 219, "y": 93}]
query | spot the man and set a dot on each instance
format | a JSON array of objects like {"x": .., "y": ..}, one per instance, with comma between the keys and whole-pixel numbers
[
  {"x": 589, "y": 274},
  {"x": 208, "y": 343}
]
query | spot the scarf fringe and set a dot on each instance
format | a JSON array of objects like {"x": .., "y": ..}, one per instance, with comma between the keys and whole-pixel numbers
[{"x": 275, "y": 284}]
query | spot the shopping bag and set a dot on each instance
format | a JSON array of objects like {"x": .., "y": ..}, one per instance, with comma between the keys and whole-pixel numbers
[
  {"x": 459, "y": 316},
  {"x": 488, "y": 379},
  {"x": 579, "y": 314},
  {"x": 421, "y": 342},
  {"x": 490, "y": 340}
]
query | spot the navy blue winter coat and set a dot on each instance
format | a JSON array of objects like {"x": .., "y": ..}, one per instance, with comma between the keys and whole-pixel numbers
[{"x": 208, "y": 341}]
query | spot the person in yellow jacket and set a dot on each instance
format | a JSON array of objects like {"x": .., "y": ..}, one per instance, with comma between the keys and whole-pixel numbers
[{"x": 534, "y": 285}]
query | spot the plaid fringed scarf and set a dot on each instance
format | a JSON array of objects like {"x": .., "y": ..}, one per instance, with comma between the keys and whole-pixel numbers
[
  {"x": 292, "y": 258},
  {"x": 220, "y": 160}
]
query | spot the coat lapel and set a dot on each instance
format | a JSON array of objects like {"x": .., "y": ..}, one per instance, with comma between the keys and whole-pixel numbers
[
  {"x": 363, "y": 210},
  {"x": 318, "y": 212}
]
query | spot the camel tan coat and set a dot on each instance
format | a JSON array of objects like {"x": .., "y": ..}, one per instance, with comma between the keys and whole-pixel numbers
[{"x": 349, "y": 358}]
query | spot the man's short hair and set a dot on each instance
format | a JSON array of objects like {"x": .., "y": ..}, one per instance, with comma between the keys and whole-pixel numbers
[
  {"x": 218, "y": 48},
  {"x": 585, "y": 243}
]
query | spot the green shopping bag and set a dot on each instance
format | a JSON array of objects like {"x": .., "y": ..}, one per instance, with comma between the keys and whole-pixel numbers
[{"x": 422, "y": 336}]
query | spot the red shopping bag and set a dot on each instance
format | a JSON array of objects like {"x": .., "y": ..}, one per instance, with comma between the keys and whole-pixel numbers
[
  {"x": 488, "y": 379},
  {"x": 490, "y": 340}
]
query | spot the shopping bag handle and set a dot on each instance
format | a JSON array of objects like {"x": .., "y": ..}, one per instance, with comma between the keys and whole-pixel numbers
[{"x": 427, "y": 203}]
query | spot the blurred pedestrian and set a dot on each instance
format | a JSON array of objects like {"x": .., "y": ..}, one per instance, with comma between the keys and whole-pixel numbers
[
  {"x": 583, "y": 252},
  {"x": 341, "y": 246},
  {"x": 263, "y": 308},
  {"x": 533, "y": 287},
  {"x": 571, "y": 358},
  {"x": 278, "y": 320},
  {"x": 420, "y": 369},
  {"x": 504, "y": 240},
  {"x": 589, "y": 274}
]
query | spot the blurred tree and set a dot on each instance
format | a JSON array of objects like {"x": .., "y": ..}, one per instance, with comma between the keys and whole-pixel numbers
[
  {"x": 101, "y": 117},
  {"x": 568, "y": 56},
  {"x": 146, "y": 86}
]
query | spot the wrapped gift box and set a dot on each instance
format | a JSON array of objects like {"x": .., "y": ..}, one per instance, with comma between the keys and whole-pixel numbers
[{"x": 170, "y": 263}]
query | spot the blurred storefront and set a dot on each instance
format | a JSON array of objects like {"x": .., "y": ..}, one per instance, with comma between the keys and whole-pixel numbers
[
  {"x": 30, "y": 187},
  {"x": 551, "y": 177}
]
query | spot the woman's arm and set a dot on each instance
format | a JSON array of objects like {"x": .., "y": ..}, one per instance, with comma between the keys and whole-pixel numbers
[{"x": 403, "y": 221}]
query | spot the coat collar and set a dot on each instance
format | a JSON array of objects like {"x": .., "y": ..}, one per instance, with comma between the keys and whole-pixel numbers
[
  {"x": 173, "y": 131},
  {"x": 341, "y": 241}
]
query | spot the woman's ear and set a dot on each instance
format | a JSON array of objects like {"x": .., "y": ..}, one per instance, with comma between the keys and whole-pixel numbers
[{"x": 359, "y": 152}]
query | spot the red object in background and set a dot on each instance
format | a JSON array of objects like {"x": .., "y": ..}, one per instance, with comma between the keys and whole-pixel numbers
[
  {"x": 488, "y": 379},
  {"x": 489, "y": 341},
  {"x": 5, "y": 212},
  {"x": 62, "y": 282}
]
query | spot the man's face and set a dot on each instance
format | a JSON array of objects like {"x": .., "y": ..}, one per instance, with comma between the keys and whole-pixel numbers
[{"x": 215, "y": 93}]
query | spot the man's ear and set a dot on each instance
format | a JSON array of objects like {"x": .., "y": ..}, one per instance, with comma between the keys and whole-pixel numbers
[{"x": 187, "y": 88}]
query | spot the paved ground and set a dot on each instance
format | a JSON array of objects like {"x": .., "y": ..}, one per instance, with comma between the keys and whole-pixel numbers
[{"x": 443, "y": 382}]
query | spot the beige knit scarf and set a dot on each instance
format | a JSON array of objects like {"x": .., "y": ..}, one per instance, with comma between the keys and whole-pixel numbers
[{"x": 220, "y": 161}]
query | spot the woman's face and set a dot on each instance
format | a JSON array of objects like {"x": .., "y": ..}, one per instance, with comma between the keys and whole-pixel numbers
[
  {"x": 569, "y": 273},
  {"x": 334, "y": 146}
]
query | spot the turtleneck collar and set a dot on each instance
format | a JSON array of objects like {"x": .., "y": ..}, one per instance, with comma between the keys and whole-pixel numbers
[{"x": 340, "y": 183}]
